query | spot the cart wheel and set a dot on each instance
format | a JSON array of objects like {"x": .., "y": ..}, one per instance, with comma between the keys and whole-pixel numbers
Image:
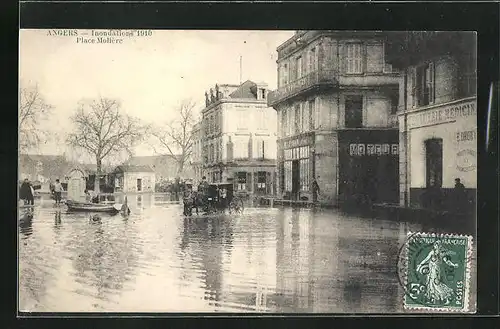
[{"x": 236, "y": 206}]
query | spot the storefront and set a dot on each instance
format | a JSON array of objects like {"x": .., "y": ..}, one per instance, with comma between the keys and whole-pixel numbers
[
  {"x": 441, "y": 147},
  {"x": 297, "y": 167},
  {"x": 368, "y": 166}
]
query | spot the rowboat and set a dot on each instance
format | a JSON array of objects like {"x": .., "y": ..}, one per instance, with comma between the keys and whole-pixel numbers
[{"x": 93, "y": 207}]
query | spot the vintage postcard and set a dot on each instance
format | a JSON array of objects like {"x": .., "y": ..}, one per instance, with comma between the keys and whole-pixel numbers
[{"x": 247, "y": 171}]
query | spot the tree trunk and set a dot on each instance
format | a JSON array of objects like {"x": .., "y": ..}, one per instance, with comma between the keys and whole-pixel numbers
[
  {"x": 180, "y": 167},
  {"x": 97, "y": 182}
]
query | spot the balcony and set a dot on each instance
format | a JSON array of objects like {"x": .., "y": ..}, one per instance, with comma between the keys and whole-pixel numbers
[{"x": 305, "y": 83}]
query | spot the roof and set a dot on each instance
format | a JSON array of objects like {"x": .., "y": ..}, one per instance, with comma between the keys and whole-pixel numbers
[
  {"x": 90, "y": 168},
  {"x": 48, "y": 166},
  {"x": 163, "y": 165},
  {"x": 245, "y": 91},
  {"x": 132, "y": 168},
  {"x": 41, "y": 157}
]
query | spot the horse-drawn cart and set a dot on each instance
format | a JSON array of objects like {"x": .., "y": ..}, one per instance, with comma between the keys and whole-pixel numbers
[{"x": 216, "y": 199}]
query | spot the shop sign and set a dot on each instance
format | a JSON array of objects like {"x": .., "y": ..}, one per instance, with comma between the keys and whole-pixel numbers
[
  {"x": 442, "y": 114},
  {"x": 373, "y": 149}
]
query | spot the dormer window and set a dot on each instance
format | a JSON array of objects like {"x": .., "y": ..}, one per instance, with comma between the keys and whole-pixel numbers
[{"x": 262, "y": 94}]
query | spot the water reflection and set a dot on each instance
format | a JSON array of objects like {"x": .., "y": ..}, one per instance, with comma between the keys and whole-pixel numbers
[
  {"x": 266, "y": 260},
  {"x": 26, "y": 224}
]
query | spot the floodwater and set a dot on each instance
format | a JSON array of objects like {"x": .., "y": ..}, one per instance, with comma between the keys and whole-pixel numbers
[{"x": 265, "y": 260}]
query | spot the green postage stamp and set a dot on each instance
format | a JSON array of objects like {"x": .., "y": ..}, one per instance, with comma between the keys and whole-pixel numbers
[{"x": 437, "y": 272}]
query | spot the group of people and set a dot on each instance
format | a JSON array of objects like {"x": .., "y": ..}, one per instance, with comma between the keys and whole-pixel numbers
[{"x": 27, "y": 192}]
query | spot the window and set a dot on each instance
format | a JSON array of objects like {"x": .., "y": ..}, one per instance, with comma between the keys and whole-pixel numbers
[
  {"x": 241, "y": 181},
  {"x": 299, "y": 67},
  {"x": 434, "y": 162},
  {"x": 302, "y": 117},
  {"x": 284, "y": 123},
  {"x": 288, "y": 176},
  {"x": 297, "y": 119},
  {"x": 261, "y": 180},
  {"x": 260, "y": 149},
  {"x": 354, "y": 112},
  {"x": 229, "y": 147},
  {"x": 317, "y": 113},
  {"x": 304, "y": 174},
  {"x": 242, "y": 120},
  {"x": 281, "y": 172},
  {"x": 285, "y": 74},
  {"x": 423, "y": 92},
  {"x": 241, "y": 150},
  {"x": 354, "y": 58},
  {"x": 394, "y": 103},
  {"x": 263, "y": 93},
  {"x": 310, "y": 114},
  {"x": 311, "y": 64}
]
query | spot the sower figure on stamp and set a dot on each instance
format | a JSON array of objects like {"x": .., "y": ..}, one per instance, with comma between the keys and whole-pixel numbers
[{"x": 436, "y": 291}]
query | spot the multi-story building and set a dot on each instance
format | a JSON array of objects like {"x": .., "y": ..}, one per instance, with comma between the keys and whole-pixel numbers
[
  {"x": 336, "y": 102},
  {"x": 197, "y": 153},
  {"x": 438, "y": 119},
  {"x": 239, "y": 137}
]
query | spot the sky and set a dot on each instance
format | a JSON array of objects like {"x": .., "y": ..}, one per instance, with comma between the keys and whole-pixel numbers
[{"x": 150, "y": 75}]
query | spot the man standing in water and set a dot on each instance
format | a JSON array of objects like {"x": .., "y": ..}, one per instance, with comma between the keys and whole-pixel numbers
[
  {"x": 315, "y": 189},
  {"x": 26, "y": 193},
  {"x": 58, "y": 191}
]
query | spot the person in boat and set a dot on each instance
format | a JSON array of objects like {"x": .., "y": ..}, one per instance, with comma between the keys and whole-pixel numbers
[
  {"x": 58, "y": 191},
  {"x": 91, "y": 197},
  {"x": 26, "y": 193}
]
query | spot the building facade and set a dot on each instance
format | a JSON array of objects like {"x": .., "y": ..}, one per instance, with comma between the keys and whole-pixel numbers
[
  {"x": 438, "y": 121},
  {"x": 134, "y": 179},
  {"x": 239, "y": 138},
  {"x": 336, "y": 102},
  {"x": 197, "y": 153},
  {"x": 165, "y": 166}
]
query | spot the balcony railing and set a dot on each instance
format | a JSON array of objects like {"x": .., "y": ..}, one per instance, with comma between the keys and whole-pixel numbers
[{"x": 316, "y": 78}]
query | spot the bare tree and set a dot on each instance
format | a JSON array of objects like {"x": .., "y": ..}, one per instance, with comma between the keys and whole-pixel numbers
[
  {"x": 176, "y": 136},
  {"x": 102, "y": 130},
  {"x": 32, "y": 110}
]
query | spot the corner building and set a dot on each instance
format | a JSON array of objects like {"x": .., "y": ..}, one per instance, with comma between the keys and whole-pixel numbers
[
  {"x": 239, "y": 138},
  {"x": 336, "y": 101},
  {"x": 438, "y": 121}
]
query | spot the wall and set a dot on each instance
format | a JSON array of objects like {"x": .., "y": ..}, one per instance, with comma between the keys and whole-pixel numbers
[
  {"x": 376, "y": 108},
  {"x": 446, "y": 80},
  {"x": 76, "y": 185},
  {"x": 326, "y": 166},
  {"x": 459, "y": 152},
  {"x": 148, "y": 181},
  {"x": 242, "y": 119}
]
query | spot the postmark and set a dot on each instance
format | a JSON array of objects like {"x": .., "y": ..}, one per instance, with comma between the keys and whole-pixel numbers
[{"x": 434, "y": 271}]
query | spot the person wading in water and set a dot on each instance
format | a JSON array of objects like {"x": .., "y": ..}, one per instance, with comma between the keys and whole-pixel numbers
[{"x": 315, "y": 189}]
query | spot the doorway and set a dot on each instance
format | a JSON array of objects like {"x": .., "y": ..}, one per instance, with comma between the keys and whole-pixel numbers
[
  {"x": 295, "y": 179},
  {"x": 139, "y": 184},
  {"x": 434, "y": 162}
]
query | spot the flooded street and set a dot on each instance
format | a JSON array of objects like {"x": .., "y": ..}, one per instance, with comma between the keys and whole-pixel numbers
[{"x": 266, "y": 260}]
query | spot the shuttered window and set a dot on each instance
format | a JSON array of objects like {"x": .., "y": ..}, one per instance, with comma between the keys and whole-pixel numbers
[{"x": 354, "y": 58}]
